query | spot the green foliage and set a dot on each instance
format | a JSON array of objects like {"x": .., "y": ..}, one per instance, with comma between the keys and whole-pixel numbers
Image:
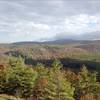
[
  {"x": 9, "y": 97},
  {"x": 17, "y": 79},
  {"x": 87, "y": 82},
  {"x": 19, "y": 62},
  {"x": 55, "y": 86},
  {"x": 48, "y": 83},
  {"x": 41, "y": 80},
  {"x": 58, "y": 88},
  {"x": 41, "y": 70},
  {"x": 52, "y": 85},
  {"x": 57, "y": 64}
]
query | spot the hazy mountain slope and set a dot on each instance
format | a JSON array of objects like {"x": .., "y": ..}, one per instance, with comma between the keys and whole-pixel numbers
[{"x": 61, "y": 41}]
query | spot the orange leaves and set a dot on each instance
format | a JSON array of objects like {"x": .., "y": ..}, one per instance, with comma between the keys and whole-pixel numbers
[
  {"x": 42, "y": 81},
  {"x": 2, "y": 67},
  {"x": 87, "y": 97}
]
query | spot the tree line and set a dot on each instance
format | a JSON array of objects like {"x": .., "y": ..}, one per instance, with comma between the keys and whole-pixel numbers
[{"x": 48, "y": 83}]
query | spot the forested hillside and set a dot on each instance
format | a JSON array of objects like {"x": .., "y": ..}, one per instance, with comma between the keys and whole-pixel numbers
[
  {"x": 49, "y": 49},
  {"x": 47, "y": 83},
  {"x": 50, "y": 72},
  {"x": 71, "y": 55}
]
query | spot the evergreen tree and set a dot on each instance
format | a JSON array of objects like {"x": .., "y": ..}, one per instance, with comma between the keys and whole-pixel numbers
[
  {"x": 87, "y": 82},
  {"x": 57, "y": 88},
  {"x": 18, "y": 79},
  {"x": 57, "y": 64}
]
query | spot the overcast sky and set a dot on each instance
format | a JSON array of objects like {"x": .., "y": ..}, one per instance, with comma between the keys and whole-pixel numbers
[{"x": 40, "y": 20}]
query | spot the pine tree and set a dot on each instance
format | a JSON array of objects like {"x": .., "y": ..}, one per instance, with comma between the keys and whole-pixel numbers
[
  {"x": 18, "y": 79},
  {"x": 57, "y": 64},
  {"x": 57, "y": 88},
  {"x": 86, "y": 83}
]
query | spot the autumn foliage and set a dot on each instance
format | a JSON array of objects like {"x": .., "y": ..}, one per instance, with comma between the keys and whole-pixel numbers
[{"x": 48, "y": 83}]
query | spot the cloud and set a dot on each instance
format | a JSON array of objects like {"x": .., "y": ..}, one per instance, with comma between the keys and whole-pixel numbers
[
  {"x": 80, "y": 27},
  {"x": 91, "y": 36},
  {"x": 45, "y": 19},
  {"x": 82, "y": 23},
  {"x": 26, "y": 29}
]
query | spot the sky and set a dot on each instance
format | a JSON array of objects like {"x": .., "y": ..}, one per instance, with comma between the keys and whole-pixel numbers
[{"x": 43, "y": 20}]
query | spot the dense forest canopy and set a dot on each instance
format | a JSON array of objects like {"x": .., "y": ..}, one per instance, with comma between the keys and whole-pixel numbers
[{"x": 48, "y": 83}]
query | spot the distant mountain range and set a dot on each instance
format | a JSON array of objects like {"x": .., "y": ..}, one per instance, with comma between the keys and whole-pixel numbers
[
  {"x": 59, "y": 41},
  {"x": 90, "y": 37}
]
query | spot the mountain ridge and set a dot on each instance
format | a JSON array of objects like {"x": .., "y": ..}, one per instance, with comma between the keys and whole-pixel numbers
[{"x": 59, "y": 41}]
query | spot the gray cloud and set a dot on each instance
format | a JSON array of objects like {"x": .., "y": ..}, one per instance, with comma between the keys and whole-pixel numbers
[
  {"x": 92, "y": 35},
  {"x": 48, "y": 18}
]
